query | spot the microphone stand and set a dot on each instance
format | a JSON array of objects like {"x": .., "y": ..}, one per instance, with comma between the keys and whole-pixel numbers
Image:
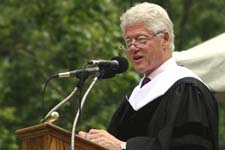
[
  {"x": 79, "y": 111},
  {"x": 52, "y": 115}
]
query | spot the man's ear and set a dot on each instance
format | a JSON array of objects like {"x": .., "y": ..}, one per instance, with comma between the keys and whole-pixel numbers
[
  {"x": 166, "y": 40},
  {"x": 166, "y": 36}
]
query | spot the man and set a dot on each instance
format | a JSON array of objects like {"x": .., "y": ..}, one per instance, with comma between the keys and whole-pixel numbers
[{"x": 174, "y": 110}]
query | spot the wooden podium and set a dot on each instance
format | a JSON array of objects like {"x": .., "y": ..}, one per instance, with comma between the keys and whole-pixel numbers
[{"x": 47, "y": 136}]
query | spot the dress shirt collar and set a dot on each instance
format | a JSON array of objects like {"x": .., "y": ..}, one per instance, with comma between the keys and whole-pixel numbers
[{"x": 163, "y": 67}]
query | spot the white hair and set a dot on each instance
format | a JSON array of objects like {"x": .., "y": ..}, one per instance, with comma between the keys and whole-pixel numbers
[{"x": 153, "y": 16}]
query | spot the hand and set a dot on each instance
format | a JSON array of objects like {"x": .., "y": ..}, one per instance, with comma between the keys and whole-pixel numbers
[{"x": 102, "y": 138}]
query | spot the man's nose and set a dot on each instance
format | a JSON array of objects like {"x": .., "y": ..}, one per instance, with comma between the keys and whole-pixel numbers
[{"x": 133, "y": 47}]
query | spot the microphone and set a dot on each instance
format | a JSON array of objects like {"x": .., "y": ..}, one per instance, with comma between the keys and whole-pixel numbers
[
  {"x": 112, "y": 63},
  {"x": 106, "y": 68},
  {"x": 78, "y": 73},
  {"x": 109, "y": 68}
]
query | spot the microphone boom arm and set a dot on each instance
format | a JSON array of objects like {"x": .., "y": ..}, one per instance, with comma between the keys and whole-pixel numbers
[
  {"x": 48, "y": 116},
  {"x": 79, "y": 111}
]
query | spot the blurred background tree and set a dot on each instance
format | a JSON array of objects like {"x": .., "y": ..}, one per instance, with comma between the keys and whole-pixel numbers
[{"x": 41, "y": 38}]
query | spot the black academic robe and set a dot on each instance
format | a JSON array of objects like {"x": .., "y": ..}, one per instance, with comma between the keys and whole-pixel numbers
[{"x": 184, "y": 118}]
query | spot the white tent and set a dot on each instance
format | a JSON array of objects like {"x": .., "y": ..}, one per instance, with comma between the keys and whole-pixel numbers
[{"x": 207, "y": 60}]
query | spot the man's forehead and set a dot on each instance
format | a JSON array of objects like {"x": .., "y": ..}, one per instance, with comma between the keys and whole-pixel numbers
[{"x": 136, "y": 29}]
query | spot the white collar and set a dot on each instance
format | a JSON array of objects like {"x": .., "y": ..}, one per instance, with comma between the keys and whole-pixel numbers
[
  {"x": 163, "y": 67},
  {"x": 161, "y": 80}
]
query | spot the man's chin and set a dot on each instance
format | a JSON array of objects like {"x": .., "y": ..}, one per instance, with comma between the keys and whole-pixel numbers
[{"x": 139, "y": 70}]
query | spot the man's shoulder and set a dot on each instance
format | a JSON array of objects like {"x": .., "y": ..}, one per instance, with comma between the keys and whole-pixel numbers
[
  {"x": 190, "y": 81},
  {"x": 196, "y": 85}
]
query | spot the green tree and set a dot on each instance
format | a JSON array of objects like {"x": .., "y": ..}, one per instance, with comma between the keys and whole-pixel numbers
[{"x": 39, "y": 38}]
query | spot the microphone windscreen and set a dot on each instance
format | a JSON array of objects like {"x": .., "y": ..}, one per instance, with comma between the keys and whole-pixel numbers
[
  {"x": 123, "y": 64},
  {"x": 111, "y": 71}
]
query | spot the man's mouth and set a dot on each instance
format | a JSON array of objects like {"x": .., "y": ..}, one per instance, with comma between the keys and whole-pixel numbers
[{"x": 136, "y": 58}]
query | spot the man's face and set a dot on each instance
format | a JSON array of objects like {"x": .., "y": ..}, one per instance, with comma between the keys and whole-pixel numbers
[{"x": 146, "y": 51}]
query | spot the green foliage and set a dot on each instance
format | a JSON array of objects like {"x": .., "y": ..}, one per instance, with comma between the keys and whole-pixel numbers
[
  {"x": 40, "y": 38},
  {"x": 204, "y": 24}
]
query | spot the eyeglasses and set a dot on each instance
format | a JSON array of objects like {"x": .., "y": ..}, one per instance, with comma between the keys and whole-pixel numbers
[{"x": 139, "y": 40}]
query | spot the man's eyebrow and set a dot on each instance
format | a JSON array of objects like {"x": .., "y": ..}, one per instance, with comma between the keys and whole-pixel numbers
[{"x": 138, "y": 35}]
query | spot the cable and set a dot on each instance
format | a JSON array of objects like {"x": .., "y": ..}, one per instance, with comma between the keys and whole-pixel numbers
[{"x": 43, "y": 93}]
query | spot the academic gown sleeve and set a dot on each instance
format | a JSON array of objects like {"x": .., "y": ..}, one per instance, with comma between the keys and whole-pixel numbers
[{"x": 186, "y": 119}]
